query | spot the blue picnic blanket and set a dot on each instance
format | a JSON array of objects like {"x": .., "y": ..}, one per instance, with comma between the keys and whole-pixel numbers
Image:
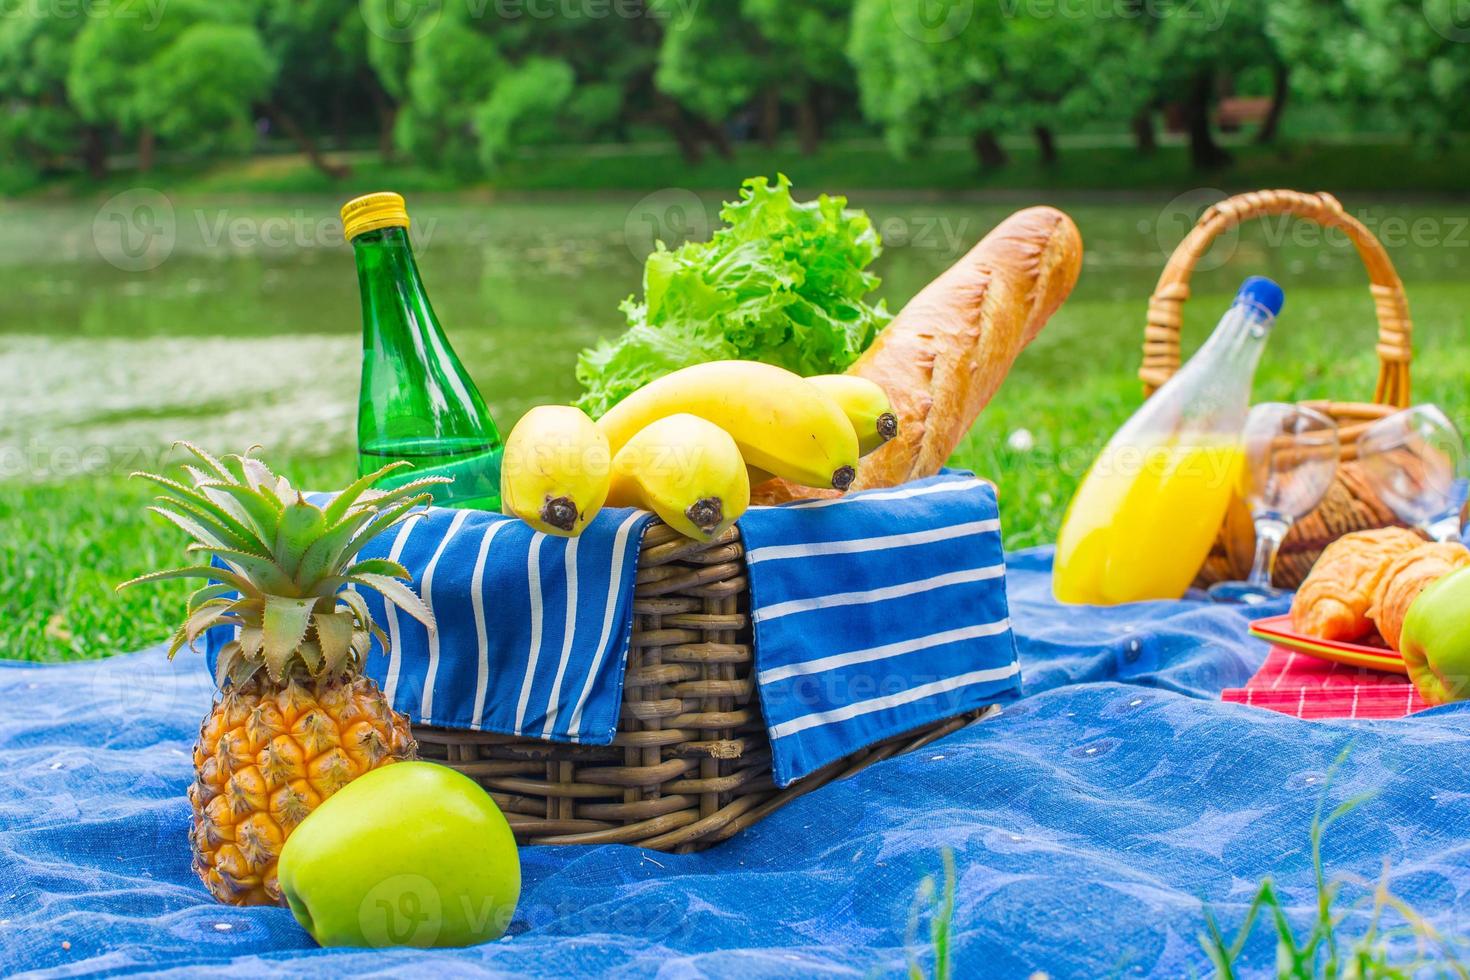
[
  {"x": 1089, "y": 822},
  {"x": 875, "y": 613}
]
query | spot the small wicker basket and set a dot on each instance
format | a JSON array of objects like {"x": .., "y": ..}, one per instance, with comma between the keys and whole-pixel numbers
[
  {"x": 1350, "y": 505},
  {"x": 691, "y": 762}
]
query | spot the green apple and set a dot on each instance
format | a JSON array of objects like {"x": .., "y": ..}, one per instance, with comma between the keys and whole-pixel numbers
[
  {"x": 412, "y": 854},
  {"x": 1435, "y": 642}
]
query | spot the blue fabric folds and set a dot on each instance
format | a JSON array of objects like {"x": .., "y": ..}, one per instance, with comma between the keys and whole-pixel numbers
[
  {"x": 876, "y": 613},
  {"x": 1090, "y": 823},
  {"x": 532, "y": 629}
]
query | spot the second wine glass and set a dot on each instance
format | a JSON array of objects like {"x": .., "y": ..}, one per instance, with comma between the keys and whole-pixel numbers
[
  {"x": 1415, "y": 462},
  {"x": 1290, "y": 460}
]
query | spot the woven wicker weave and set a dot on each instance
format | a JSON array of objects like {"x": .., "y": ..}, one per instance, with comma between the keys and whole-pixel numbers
[
  {"x": 1350, "y": 505},
  {"x": 691, "y": 763}
]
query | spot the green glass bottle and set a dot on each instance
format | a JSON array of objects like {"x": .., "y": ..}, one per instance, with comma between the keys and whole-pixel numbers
[{"x": 417, "y": 402}]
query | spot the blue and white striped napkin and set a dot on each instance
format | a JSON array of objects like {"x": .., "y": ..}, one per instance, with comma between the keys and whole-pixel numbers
[
  {"x": 877, "y": 613},
  {"x": 874, "y": 614},
  {"x": 532, "y": 629}
]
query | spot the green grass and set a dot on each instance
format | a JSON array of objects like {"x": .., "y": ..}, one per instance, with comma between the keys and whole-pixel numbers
[
  {"x": 947, "y": 166},
  {"x": 936, "y": 903},
  {"x": 69, "y": 543}
]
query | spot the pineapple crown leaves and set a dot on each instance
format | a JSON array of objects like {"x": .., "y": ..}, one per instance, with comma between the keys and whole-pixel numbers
[{"x": 286, "y": 571}]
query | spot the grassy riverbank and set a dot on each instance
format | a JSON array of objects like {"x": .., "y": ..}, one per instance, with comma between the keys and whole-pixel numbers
[{"x": 1103, "y": 164}]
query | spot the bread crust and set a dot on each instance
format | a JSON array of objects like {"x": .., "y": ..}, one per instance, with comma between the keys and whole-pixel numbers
[{"x": 945, "y": 354}]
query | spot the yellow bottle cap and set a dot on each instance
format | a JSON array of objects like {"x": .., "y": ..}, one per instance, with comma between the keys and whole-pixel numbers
[{"x": 383, "y": 209}]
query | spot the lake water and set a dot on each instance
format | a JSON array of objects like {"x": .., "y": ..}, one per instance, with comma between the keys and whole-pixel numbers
[{"x": 128, "y": 323}]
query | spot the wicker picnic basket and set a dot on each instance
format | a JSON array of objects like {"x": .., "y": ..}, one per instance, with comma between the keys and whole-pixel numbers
[
  {"x": 1350, "y": 505},
  {"x": 691, "y": 762}
]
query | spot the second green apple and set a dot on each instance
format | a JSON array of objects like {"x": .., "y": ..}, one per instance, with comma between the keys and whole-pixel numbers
[{"x": 1435, "y": 643}]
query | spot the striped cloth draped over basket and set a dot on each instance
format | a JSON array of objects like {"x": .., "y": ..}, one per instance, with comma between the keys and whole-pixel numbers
[{"x": 874, "y": 614}]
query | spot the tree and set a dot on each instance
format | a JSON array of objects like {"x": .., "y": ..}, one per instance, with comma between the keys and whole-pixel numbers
[
  {"x": 1408, "y": 57},
  {"x": 915, "y": 86},
  {"x": 485, "y": 80},
  {"x": 809, "y": 41},
  {"x": 1004, "y": 67},
  {"x": 40, "y": 127},
  {"x": 145, "y": 79},
  {"x": 1059, "y": 68},
  {"x": 204, "y": 85},
  {"x": 388, "y": 60},
  {"x": 714, "y": 61},
  {"x": 521, "y": 106},
  {"x": 720, "y": 58},
  {"x": 1195, "y": 49},
  {"x": 320, "y": 50},
  {"x": 454, "y": 68}
]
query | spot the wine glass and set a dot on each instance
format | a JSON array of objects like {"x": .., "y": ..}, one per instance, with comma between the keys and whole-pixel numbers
[
  {"x": 1415, "y": 461},
  {"x": 1291, "y": 455}
]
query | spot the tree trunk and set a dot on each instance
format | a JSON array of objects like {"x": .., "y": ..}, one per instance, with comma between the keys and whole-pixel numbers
[
  {"x": 1204, "y": 152},
  {"x": 671, "y": 116},
  {"x": 387, "y": 120},
  {"x": 989, "y": 151},
  {"x": 770, "y": 116},
  {"x": 1143, "y": 133},
  {"x": 715, "y": 134},
  {"x": 387, "y": 114},
  {"x": 303, "y": 139},
  {"x": 339, "y": 120},
  {"x": 809, "y": 123},
  {"x": 1046, "y": 144},
  {"x": 1279, "y": 89},
  {"x": 94, "y": 152},
  {"x": 147, "y": 149}
]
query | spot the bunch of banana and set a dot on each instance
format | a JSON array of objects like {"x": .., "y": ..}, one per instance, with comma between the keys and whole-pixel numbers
[{"x": 690, "y": 445}]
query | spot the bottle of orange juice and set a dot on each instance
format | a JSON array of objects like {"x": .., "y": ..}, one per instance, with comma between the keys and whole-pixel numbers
[{"x": 1143, "y": 520}]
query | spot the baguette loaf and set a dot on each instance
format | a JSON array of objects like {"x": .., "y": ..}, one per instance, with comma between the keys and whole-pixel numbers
[{"x": 945, "y": 354}]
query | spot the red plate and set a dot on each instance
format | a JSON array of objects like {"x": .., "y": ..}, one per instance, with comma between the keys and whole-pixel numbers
[{"x": 1277, "y": 630}]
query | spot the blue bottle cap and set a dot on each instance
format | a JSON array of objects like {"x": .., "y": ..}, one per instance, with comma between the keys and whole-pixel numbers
[{"x": 1261, "y": 292}]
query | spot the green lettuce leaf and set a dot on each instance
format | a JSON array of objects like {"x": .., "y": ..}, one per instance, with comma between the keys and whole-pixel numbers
[{"x": 781, "y": 282}]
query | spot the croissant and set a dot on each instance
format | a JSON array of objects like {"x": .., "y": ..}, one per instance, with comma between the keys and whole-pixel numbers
[
  {"x": 1334, "y": 600},
  {"x": 1405, "y": 577}
]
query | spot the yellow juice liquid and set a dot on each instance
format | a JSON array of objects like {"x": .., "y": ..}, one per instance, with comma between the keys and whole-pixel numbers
[{"x": 1143, "y": 520}]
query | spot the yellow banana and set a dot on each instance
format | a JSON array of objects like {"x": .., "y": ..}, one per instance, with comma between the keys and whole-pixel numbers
[
  {"x": 687, "y": 471},
  {"x": 781, "y": 423},
  {"x": 865, "y": 404},
  {"x": 555, "y": 471}
]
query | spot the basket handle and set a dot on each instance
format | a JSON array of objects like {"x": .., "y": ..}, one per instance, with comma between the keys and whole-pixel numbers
[{"x": 1166, "y": 306}]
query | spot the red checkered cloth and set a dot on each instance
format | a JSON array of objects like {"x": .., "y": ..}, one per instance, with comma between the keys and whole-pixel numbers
[{"x": 1309, "y": 687}]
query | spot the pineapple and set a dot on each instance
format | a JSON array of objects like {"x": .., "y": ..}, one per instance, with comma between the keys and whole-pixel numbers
[{"x": 296, "y": 719}]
